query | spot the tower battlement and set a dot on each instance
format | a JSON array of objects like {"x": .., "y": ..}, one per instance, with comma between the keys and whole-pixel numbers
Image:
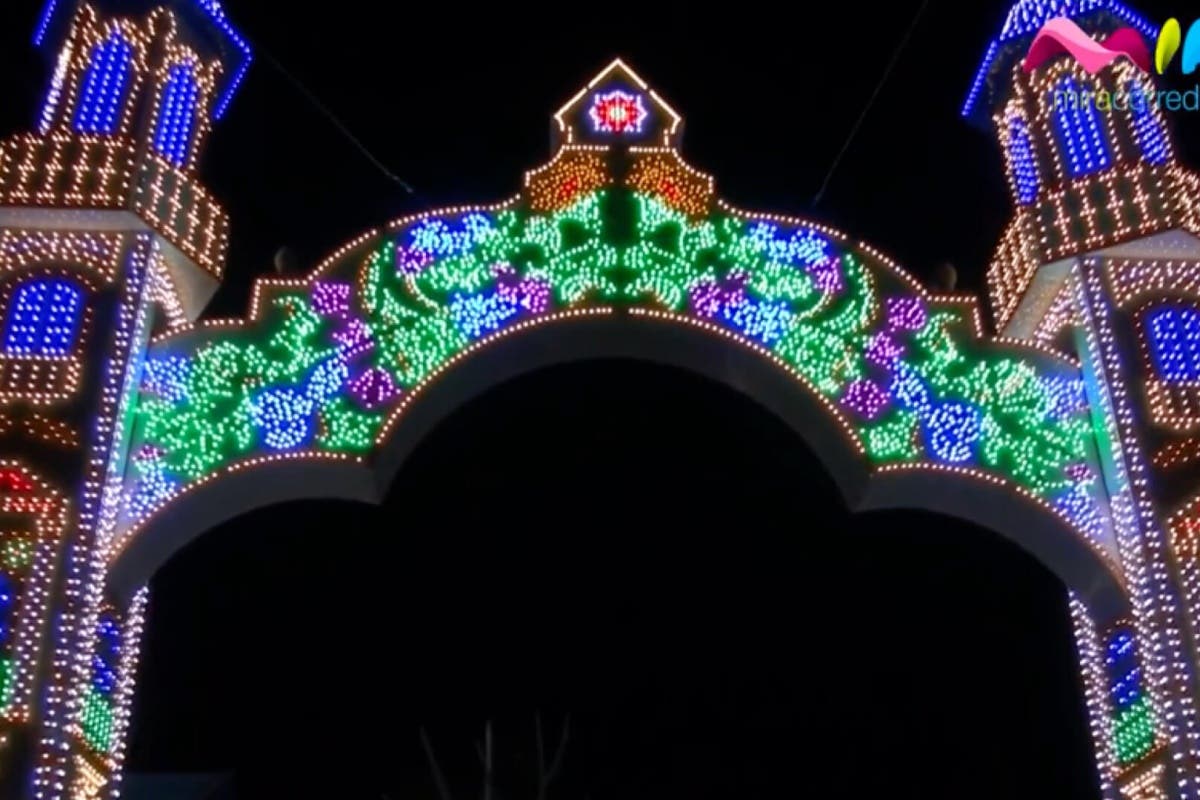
[{"x": 119, "y": 138}]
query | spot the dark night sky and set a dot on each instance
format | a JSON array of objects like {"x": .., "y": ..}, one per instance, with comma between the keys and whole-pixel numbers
[{"x": 642, "y": 548}]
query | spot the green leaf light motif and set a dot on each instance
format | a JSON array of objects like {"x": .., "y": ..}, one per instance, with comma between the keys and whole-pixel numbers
[{"x": 322, "y": 367}]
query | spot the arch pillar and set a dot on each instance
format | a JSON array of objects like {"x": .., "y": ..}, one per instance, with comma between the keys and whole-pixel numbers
[{"x": 1158, "y": 625}]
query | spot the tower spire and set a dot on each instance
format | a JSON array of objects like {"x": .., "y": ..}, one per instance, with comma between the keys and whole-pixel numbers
[
  {"x": 1024, "y": 19},
  {"x": 1089, "y": 157},
  {"x": 202, "y": 24},
  {"x": 131, "y": 101}
]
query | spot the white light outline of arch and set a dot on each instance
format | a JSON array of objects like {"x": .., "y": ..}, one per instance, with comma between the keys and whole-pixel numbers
[{"x": 397, "y": 415}]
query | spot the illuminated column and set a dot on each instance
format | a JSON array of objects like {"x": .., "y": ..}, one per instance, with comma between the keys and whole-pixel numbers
[
  {"x": 1120, "y": 714},
  {"x": 1102, "y": 213},
  {"x": 106, "y": 238},
  {"x": 34, "y": 519},
  {"x": 1144, "y": 341},
  {"x": 1164, "y": 634},
  {"x": 102, "y": 710},
  {"x": 68, "y": 744}
]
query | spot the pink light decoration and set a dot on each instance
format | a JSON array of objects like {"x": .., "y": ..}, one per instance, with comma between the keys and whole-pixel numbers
[
  {"x": 617, "y": 112},
  {"x": 706, "y": 299},
  {"x": 531, "y": 294},
  {"x": 883, "y": 350},
  {"x": 410, "y": 261},
  {"x": 709, "y": 297},
  {"x": 374, "y": 388},
  {"x": 906, "y": 314},
  {"x": 827, "y": 275},
  {"x": 866, "y": 398},
  {"x": 331, "y": 299},
  {"x": 149, "y": 452},
  {"x": 1061, "y": 35},
  {"x": 1079, "y": 472},
  {"x": 354, "y": 338}
]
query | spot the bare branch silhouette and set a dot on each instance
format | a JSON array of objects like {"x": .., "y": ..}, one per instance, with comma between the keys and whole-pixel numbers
[
  {"x": 484, "y": 751},
  {"x": 438, "y": 778},
  {"x": 546, "y": 777},
  {"x": 488, "y": 776}
]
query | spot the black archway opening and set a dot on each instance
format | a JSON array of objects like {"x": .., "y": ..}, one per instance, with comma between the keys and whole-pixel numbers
[{"x": 642, "y": 548}]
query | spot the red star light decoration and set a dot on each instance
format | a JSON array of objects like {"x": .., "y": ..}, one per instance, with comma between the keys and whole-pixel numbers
[{"x": 617, "y": 112}]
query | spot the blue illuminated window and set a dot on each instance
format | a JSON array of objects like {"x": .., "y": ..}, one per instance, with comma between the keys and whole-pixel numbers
[
  {"x": 43, "y": 318},
  {"x": 1124, "y": 673},
  {"x": 1021, "y": 160},
  {"x": 1174, "y": 334},
  {"x": 1148, "y": 129},
  {"x": 1080, "y": 132},
  {"x": 104, "y": 86},
  {"x": 8, "y": 602},
  {"x": 177, "y": 115},
  {"x": 106, "y": 661}
]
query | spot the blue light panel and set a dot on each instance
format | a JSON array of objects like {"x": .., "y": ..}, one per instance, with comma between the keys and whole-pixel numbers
[
  {"x": 177, "y": 115},
  {"x": 1022, "y": 161},
  {"x": 104, "y": 87},
  {"x": 1081, "y": 139},
  {"x": 1174, "y": 334},
  {"x": 43, "y": 318}
]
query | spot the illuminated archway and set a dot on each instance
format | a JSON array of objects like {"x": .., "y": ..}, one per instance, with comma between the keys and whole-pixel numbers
[
  {"x": 617, "y": 247},
  {"x": 613, "y": 248},
  {"x": 693, "y": 345},
  {"x": 1057, "y": 433}
]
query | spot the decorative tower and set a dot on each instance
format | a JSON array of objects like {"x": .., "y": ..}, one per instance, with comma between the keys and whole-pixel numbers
[
  {"x": 1100, "y": 261},
  {"x": 1089, "y": 158},
  {"x": 105, "y": 236}
]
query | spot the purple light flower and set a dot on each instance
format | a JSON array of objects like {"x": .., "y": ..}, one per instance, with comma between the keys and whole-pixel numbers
[
  {"x": 331, "y": 299},
  {"x": 374, "y": 388},
  {"x": 705, "y": 299},
  {"x": 708, "y": 297},
  {"x": 866, "y": 398},
  {"x": 354, "y": 338},
  {"x": 531, "y": 294},
  {"x": 536, "y": 295},
  {"x": 1079, "y": 472},
  {"x": 883, "y": 350},
  {"x": 150, "y": 452},
  {"x": 410, "y": 261},
  {"x": 828, "y": 277},
  {"x": 906, "y": 314},
  {"x": 735, "y": 288}
]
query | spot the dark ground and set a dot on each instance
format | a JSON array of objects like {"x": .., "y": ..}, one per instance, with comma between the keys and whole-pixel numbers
[{"x": 648, "y": 551}]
